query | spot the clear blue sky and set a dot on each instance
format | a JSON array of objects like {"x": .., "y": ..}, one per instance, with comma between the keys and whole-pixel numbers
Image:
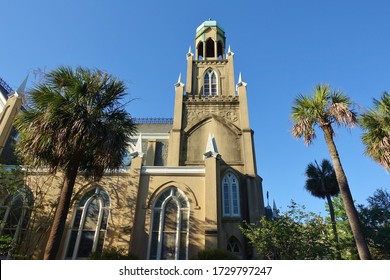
[{"x": 282, "y": 48}]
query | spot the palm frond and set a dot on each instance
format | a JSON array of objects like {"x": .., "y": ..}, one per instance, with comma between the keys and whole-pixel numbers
[
  {"x": 76, "y": 111},
  {"x": 321, "y": 179},
  {"x": 340, "y": 109},
  {"x": 322, "y": 108},
  {"x": 376, "y": 126}
]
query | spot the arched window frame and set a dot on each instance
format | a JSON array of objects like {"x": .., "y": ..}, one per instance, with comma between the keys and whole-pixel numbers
[
  {"x": 210, "y": 83},
  {"x": 72, "y": 248},
  {"x": 219, "y": 49},
  {"x": 158, "y": 221},
  {"x": 230, "y": 195},
  {"x": 210, "y": 48},
  {"x": 7, "y": 209},
  {"x": 200, "y": 53},
  {"x": 234, "y": 247}
]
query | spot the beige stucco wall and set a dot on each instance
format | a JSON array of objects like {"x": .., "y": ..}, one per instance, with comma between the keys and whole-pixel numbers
[{"x": 46, "y": 190}]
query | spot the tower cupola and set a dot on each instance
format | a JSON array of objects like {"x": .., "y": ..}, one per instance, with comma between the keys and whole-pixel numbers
[
  {"x": 210, "y": 72},
  {"x": 210, "y": 41}
]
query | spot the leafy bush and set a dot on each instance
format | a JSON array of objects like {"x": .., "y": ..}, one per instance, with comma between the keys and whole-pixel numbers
[
  {"x": 6, "y": 244},
  {"x": 214, "y": 254},
  {"x": 112, "y": 254},
  {"x": 295, "y": 235}
]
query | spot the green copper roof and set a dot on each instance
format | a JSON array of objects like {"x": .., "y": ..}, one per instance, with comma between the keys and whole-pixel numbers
[{"x": 208, "y": 23}]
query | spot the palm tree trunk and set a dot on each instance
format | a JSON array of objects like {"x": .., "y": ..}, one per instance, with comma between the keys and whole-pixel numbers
[
  {"x": 346, "y": 195},
  {"x": 62, "y": 210},
  {"x": 333, "y": 221}
]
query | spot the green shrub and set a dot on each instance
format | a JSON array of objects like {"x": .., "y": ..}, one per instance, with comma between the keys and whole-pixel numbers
[
  {"x": 112, "y": 254},
  {"x": 214, "y": 254},
  {"x": 6, "y": 244}
]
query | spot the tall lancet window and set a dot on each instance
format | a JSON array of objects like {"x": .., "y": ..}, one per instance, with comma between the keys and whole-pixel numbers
[
  {"x": 169, "y": 226},
  {"x": 89, "y": 225},
  {"x": 14, "y": 217},
  {"x": 210, "y": 85},
  {"x": 230, "y": 195}
]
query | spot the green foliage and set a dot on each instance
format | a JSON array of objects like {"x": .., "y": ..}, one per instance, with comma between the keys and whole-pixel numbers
[
  {"x": 346, "y": 242},
  {"x": 323, "y": 108},
  {"x": 11, "y": 178},
  {"x": 321, "y": 179},
  {"x": 376, "y": 218},
  {"x": 295, "y": 235},
  {"x": 214, "y": 254},
  {"x": 376, "y": 126},
  {"x": 75, "y": 113},
  {"x": 7, "y": 245},
  {"x": 112, "y": 254}
]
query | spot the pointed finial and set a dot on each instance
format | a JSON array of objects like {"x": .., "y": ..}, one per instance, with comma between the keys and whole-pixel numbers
[
  {"x": 211, "y": 147},
  {"x": 179, "y": 83},
  {"x": 275, "y": 210},
  {"x": 179, "y": 79},
  {"x": 136, "y": 151},
  {"x": 240, "y": 82},
  {"x": 19, "y": 93},
  {"x": 229, "y": 53},
  {"x": 267, "y": 198},
  {"x": 189, "y": 52},
  {"x": 214, "y": 143},
  {"x": 22, "y": 87}
]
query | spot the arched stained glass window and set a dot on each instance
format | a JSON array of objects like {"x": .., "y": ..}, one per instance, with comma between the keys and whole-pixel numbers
[
  {"x": 169, "y": 226},
  {"x": 210, "y": 85},
  {"x": 15, "y": 215},
  {"x": 89, "y": 224},
  {"x": 230, "y": 195}
]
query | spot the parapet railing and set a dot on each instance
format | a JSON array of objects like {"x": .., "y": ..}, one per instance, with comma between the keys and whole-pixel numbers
[
  {"x": 153, "y": 120},
  {"x": 5, "y": 86}
]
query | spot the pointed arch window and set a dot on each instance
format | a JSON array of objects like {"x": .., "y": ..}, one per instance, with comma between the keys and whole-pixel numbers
[
  {"x": 89, "y": 225},
  {"x": 169, "y": 226},
  {"x": 230, "y": 195},
  {"x": 210, "y": 48},
  {"x": 200, "y": 50},
  {"x": 210, "y": 85},
  {"x": 219, "y": 50},
  {"x": 15, "y": 215},
  {"x": 234, "y": 247}
]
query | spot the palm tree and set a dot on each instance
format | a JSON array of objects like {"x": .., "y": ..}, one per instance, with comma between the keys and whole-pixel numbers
[
  {"x": 376, "y": 123},
  {"x": 324, "y": 108},
  {"x": 75, "y": 123},
  {"x": 321, "y": 182}
]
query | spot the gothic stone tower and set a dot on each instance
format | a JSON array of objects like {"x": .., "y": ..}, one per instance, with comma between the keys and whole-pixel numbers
[{"x": 212, "y": 126}]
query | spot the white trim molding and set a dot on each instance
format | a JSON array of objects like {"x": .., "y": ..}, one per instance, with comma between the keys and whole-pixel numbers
[
  {"x": 172, "y": 170},
  {"x": 146, "y": 135}
]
